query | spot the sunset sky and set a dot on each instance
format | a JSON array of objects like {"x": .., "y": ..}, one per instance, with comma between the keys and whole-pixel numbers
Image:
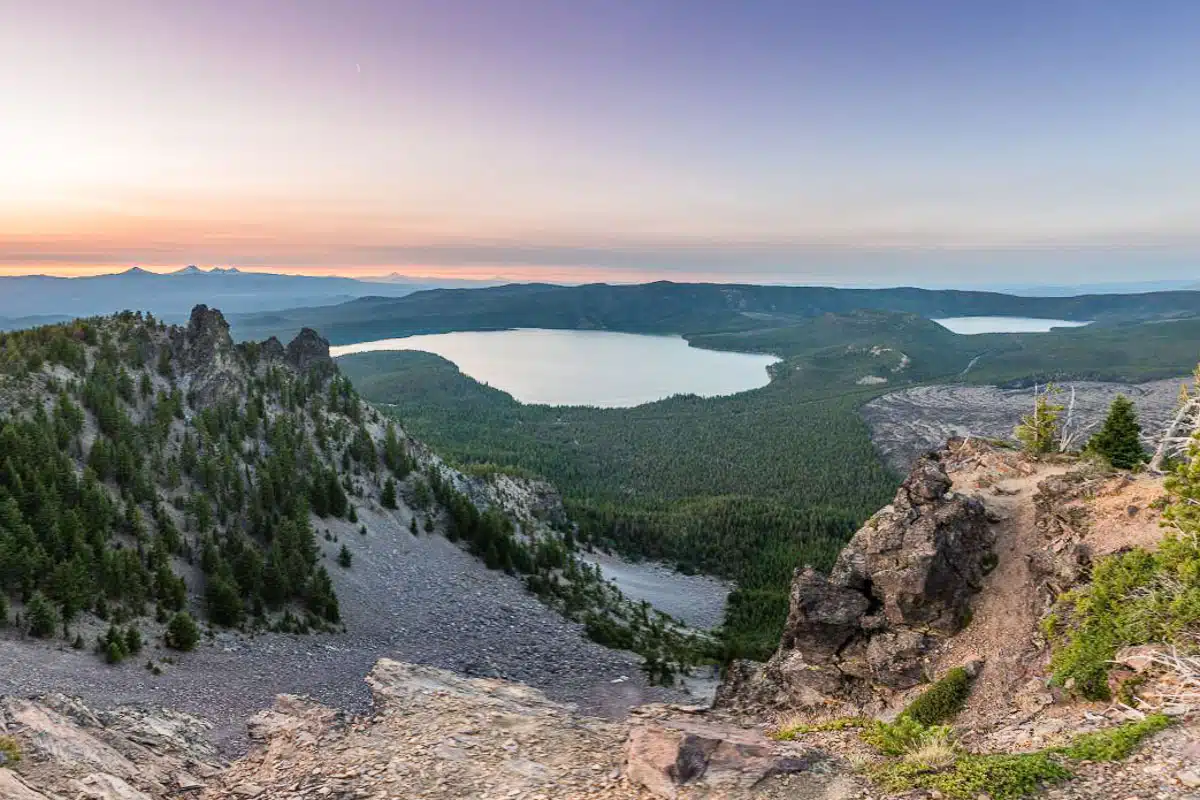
[{"x": 925, "y": 141}]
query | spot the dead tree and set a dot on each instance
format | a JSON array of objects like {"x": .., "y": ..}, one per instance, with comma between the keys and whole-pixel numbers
[{"x": 1179, "y": 435}]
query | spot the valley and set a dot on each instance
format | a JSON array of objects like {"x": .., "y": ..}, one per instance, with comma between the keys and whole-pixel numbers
[{"x": 746, "y": 487}]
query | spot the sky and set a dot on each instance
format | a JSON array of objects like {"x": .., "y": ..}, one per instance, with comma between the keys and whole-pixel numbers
[{"x": 928, "y": 142}]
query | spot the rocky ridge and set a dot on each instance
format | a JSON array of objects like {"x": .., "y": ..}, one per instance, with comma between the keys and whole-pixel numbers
[{"x": 904, "y": 581}]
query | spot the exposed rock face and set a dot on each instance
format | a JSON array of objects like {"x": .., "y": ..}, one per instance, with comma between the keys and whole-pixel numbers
[
  {"x": 271, "y": 350},
  {"x": 309, "y": 352},
  {"x": 906, "y": 577},
  {"x": 206, "y": 358},
  {"x": 127, "y": 754},
  {"x": 436, "y": 735}
]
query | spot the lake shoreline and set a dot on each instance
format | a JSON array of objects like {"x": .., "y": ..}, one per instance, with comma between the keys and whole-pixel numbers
[{"x": 600, "y": 369}]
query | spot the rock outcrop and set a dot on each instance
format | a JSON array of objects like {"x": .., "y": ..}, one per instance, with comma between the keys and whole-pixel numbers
[
  {"x": 68, "y": 750},
  {"x": 205, "y": 359},
  {"x": 436, "y": 735},
  {"x": 903, "y": 581},
  {"x": 309, "y": 352}
]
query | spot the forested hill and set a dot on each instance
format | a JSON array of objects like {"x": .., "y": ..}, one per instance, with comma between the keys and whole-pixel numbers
[
  {"x": 154, "y": 476},
  {"x": 665, "y": 307},
  {"x": 144, "y": 464}
]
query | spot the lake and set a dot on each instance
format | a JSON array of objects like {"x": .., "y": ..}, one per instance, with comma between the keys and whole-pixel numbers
[
  {"x": 586, "y": 368},
  {"x": 972, "y": 325}
]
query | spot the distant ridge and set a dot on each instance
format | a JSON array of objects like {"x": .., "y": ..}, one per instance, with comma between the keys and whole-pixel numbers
[
  {"x": 689, "y": 308},
  {"x": 171, "y": 295}
]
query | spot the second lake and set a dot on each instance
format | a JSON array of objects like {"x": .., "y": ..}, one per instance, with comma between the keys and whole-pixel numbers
[{"x": 586, "y": 368}]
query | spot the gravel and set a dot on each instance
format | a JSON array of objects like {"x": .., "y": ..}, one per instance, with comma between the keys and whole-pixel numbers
[
  {"x": 412, "y": 598},
  {"x": 697, "y": 600}
]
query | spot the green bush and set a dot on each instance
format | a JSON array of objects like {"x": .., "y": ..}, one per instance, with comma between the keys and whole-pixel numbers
[
  {"x": 999, "y": 776},
  {"x": 943, "y": 700},
  {"x": 41, "y": 616},
  {"x": 789, "y": 732},
  {"x": 133, "y": 640},
  {"x": 1134, "y": 598},
  {"x": 1114, "y": 744},
  {"x": 10, "y": 751},
  {"x": 182, "y": 632},
  {"x": 896, "y": 738}
]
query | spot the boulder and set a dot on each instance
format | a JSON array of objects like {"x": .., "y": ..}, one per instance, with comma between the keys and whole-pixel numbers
[
  {"x": 710, "y": 759},
  {"x": 905, "y": 578}
]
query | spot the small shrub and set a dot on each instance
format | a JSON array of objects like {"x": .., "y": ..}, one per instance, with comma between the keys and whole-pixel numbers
[
  {"x": 941, "y": 701},
  {"x": 1134, "y": 598},
  {"x": 133, "y": 640},
  {"x": 182, "y": 632},
  {"x": 897, "y": 738},
  {"x": 10, "y": 751},
  {"x": 999, "y": 776},
  {"x": 1114, "y": 744},
  {"x": 789, "y": 731},
  {"x": 936, "y": 749}
]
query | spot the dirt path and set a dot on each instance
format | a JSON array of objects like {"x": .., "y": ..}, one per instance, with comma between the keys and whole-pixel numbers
[{"x": 1004, "y": 612}]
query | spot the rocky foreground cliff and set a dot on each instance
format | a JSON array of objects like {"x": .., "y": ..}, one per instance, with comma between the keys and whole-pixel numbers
[{"x": 979, "y": 549}]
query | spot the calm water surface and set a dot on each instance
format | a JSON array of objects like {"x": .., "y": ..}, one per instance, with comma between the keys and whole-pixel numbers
[
  {"x": 593, "y": 368},
  {"x": 1005, "y": 324}
]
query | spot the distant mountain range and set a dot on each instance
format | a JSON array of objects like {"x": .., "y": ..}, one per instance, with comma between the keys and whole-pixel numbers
[{"x": 39, "y": 299}]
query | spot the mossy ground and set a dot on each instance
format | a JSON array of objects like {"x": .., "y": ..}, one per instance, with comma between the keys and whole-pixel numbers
[{"x": 1004, "y": 776}]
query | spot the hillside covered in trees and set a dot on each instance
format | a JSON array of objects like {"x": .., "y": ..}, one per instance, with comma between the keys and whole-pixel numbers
[
  {"x": 144, "y": 463},
  {"x": 160, "y": 472}
]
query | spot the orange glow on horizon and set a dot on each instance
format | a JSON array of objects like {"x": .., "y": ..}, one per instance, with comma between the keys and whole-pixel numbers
[{"x": 505, "y": 273}]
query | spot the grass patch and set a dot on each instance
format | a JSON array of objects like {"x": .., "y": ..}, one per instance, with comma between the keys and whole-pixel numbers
[
  {"x": 1116, "y": 743},
  {"x": 899, "y": 737},
  {"x": 789, "y": 731},
  {"x": 930, "y": 760},
  {"x": 10, "y": 751},
  {"x": 936, "y": 749},
  {"x": 1000, "y": 776},
  {"x": 1134, "y": 598}
]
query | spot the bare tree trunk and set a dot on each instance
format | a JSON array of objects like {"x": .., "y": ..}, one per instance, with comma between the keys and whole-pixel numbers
[{"x": 1172, "y": 442}]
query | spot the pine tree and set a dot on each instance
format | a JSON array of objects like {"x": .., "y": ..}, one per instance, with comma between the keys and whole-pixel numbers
[
  {"x": 42, "y": 618},
  {"x": 1040, "y": 432},
  {"x": 345, "y": 559},
  {"x": 1118, "y": 440},
  {"x": 388, "y": 498},
  {"x": 182, "y": 632}
]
